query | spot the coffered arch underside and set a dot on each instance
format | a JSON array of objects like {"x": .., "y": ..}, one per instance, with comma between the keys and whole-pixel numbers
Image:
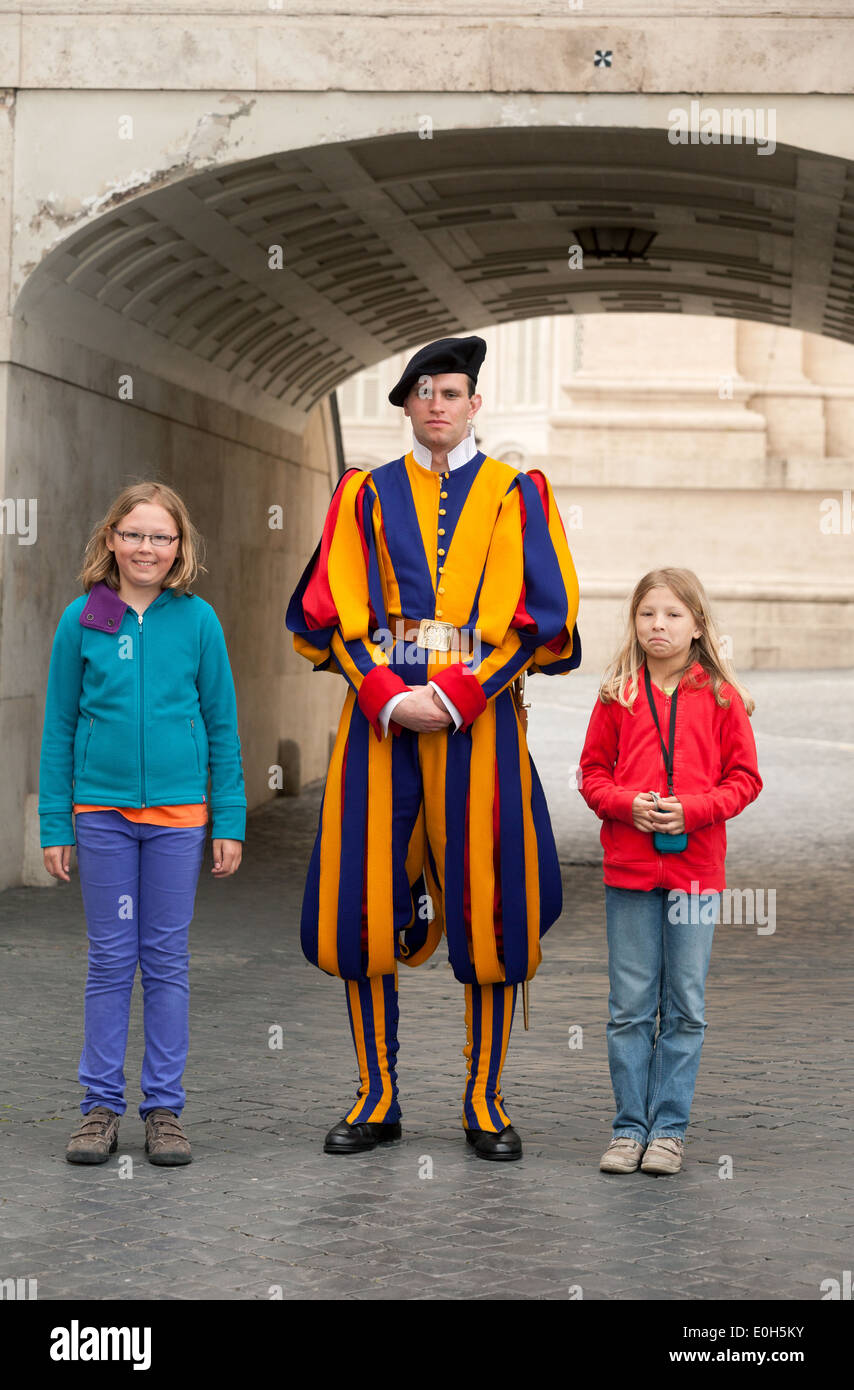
[{"x": 388, "y": 241}]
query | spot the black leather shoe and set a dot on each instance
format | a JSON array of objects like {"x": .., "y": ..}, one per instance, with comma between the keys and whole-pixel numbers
[
  {"x": 344, "y": 1138},
  {"x": 502, "y": 1147}
]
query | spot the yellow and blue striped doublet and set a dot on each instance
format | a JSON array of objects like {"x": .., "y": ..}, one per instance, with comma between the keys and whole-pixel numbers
[
  {"x": 373, "y": 1010},
  {"x": 448, "y": 832}
]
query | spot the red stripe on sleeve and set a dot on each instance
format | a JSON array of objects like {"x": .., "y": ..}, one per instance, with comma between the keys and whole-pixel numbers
[
  {"x": 318, "y": 604},
  {"x": 539, "y": 481},
  {"x": 522, "y": 618}
]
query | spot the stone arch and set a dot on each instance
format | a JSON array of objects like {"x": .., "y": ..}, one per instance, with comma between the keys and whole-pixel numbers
[{"x": 386, "y": 240}]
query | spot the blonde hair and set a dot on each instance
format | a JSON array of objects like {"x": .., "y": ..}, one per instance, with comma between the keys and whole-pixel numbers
[
  {"x": 99, "y": 562},
  {"x": 621, "y": 680}
]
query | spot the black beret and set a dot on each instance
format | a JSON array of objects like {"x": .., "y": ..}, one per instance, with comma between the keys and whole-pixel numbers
[{"x": 445, "y": 355}]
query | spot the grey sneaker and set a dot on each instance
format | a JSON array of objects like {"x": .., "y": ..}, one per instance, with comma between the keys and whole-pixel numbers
[
  {"x": 663, "y": 1155},
  {"x": 165, "y": 1141},
  {"x": 95, "y": 1138},
  {"x": 621, "y": 1156}
]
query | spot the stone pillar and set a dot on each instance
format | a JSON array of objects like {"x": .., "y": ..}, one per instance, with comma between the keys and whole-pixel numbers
[
  {"x": 658, "y": 457},
  {"x": 771, "y": 358},
  {"x": 646, "y": 400},
  {"x": 830, "y": 364}
]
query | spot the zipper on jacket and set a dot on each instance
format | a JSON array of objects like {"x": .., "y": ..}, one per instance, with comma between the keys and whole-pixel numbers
[
  {"x": 662, "y": 782},
  {"x": 142, "y": 796},
  {"x": 195, "y": 745}
]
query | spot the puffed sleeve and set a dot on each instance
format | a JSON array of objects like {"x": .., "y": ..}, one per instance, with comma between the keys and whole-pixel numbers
[{"x": 332, "y": 612}]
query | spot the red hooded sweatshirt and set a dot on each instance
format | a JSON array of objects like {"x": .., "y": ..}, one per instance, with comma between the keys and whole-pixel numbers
[{"x": 714, "y": 777}]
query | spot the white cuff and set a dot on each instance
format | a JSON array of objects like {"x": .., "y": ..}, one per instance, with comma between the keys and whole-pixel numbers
[
  {"x": 385, "y": 713},
  {"x": 449, "y": 705}
]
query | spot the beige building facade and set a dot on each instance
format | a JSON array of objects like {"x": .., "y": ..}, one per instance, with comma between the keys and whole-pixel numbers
[{"x": 723, "y": 446}]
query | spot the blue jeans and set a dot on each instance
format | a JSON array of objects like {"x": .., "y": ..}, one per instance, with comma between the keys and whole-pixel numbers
[
  {"x": 139, "y": 886},
  {"x": 659, "y": 946}
]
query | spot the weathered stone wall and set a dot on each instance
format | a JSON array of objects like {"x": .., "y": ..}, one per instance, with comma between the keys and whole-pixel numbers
[
  {"x": 403, "y": 45},
  {"x": 72, "y": 444}
]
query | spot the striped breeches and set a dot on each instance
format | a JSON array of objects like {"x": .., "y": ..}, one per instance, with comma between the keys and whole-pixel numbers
[{"x": 373, "y": 1009}]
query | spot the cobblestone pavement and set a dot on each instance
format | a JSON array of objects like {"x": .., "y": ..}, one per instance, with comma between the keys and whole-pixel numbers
[{"x": 261, "y": 1206}]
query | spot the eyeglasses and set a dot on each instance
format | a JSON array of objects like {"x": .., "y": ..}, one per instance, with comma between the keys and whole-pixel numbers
[{"x": 137, "y": 537}]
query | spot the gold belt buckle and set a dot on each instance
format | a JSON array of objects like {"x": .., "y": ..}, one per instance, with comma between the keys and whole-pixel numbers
[{"x": 434, "y": 635}]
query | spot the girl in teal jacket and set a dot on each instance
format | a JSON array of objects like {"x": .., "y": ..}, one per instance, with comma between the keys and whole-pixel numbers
[{"x": 140, "y": 708}]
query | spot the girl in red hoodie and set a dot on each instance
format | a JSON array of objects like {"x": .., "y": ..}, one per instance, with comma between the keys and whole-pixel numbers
[{"x": 669, "y": 757}]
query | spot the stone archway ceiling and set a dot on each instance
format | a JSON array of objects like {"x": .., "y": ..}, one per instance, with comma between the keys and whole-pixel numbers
[{"x": 390, "y": 241}]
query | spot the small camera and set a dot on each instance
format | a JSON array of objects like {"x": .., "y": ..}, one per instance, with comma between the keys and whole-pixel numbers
[{"x": 667, "y": 841}]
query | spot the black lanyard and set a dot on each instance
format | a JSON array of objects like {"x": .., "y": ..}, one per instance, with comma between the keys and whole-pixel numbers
[{"x": 668, "y": 752}]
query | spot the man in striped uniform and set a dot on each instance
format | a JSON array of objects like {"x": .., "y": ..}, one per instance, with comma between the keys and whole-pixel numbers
[{"x": 439, "y": 579}]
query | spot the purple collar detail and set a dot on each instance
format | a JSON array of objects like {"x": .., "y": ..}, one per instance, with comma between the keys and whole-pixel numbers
[{"x": 104, "y": 609}]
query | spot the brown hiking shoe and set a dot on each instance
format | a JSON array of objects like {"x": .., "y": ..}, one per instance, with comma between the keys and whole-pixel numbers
[
  {"x": 664, "y": 1155},
  {"x": 95, "y": 1138},
  {"x": 165, "y": 1141},
  {"x": 621, "y": 1156}
]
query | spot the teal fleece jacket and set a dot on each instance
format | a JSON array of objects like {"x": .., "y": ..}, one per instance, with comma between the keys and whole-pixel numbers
[{"x": 138, "y": 708}]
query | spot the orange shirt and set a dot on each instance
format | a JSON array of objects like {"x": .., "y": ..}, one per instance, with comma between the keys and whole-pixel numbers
[{"x": 178, "y": 816}]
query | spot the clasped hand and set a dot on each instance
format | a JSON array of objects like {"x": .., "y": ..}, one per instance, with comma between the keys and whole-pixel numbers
[
  {"x": 422, "y": 711},
  {"x": 646, "y": 817}
]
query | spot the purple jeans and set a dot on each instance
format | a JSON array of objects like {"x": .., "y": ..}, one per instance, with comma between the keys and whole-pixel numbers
[{"x": 139, "y": 887}]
